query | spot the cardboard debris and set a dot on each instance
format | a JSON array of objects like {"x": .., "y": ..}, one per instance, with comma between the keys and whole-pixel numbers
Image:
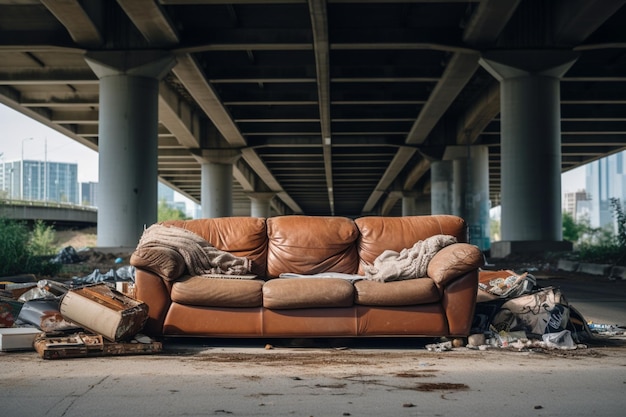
[{"x": 104, "y": 310}]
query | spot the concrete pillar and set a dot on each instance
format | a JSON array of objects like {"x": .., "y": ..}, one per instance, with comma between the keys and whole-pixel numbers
[
  {"x": 441, "y": 186},
  {"x": 470, "y": 171},
  {"x": 127, "y": 142},
  {"x": 260, "y": 203},
  {"x": 530, "y": 142},
  {"x": 216, "y": 194},
  {"x": 408, "y": 204}
]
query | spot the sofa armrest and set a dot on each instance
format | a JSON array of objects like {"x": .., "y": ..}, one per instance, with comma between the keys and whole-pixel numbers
[
  {"x": 453, "y": 261},
  {"x": 165, "y": 262},
  {"x": 155, "y": 292}
]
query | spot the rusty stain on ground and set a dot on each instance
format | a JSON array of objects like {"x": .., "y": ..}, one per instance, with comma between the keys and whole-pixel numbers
[{"x": 441, "y": 386}]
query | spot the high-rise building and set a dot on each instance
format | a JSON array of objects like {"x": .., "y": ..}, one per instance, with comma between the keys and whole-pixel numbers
[
  {"x": 40, "y": 180},
  {"x": 89, "y": 194},
  {"x": 605, "y": 179},
  {"x": 576, "y": 204}
]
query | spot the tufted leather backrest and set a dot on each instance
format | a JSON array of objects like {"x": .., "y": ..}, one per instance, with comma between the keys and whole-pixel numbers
[
  {"x": 378, "y": 234},
  {"x": 310, "y": 245},
  {"x": 241, "y": 236},
  {"x": 314, "y": 244}
]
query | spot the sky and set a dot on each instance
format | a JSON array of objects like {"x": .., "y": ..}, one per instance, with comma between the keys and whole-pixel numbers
[{"x": 17, "y": 131}]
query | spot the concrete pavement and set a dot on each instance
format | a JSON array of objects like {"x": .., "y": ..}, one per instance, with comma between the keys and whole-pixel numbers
[{"x": 391, "y": 377}]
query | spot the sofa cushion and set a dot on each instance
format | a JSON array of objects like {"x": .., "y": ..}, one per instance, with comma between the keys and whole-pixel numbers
[
  {"x": 311, "y": 244},
  {"x": 218, "y": 292},
  {"x": 396, "y": 293},
  {"x": 241, "y": 236},
  {"x": 396, "y": 233},
  {"x": 286, "y": 293}
]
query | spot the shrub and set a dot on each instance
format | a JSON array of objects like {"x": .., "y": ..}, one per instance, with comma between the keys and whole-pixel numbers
[
  {"x": 16, "y": 251},
  {"x": 41, "y": 241}
]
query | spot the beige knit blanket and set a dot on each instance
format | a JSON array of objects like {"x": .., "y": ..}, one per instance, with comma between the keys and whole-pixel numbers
[
  {"x": 408, "y": 263},
  {"x": 201, "y": 258}
]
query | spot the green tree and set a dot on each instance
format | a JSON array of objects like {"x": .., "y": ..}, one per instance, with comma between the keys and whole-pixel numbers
[
  {"x": 572, "y": 230},
  {"x": 165, "y": 212},
  {"x": 620, "y": 219},
  {"x": 41, "y": 241}
]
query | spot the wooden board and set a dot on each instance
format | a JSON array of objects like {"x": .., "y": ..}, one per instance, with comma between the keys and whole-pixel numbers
[{"x": 82, "y": 345}]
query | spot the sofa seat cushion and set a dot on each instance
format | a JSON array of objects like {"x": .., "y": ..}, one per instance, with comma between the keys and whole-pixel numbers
[
  {"x": 287, "y": 293},
  {"x": 396, "y": 293},
  {"x": 218, "y": 292}
]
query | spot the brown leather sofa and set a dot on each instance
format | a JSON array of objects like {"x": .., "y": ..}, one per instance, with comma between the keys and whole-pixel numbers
[{"x": 441, "y": 304}]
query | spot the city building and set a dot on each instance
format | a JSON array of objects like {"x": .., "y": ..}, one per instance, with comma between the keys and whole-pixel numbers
[
  {"x": 89, "y": 194},
  {"x": 40, "y": 181},
  {"x": 605, "y": 179},
  {"x": 573, "y": 202}
]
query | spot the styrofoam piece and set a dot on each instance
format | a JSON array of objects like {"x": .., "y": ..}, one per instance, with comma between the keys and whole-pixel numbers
[{"x": 17, "y": 338}]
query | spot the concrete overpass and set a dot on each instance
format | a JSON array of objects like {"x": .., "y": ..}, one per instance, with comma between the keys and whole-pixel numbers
[
  {"x": 60, "y": 214},
  {"x": 335, "y": 107}
]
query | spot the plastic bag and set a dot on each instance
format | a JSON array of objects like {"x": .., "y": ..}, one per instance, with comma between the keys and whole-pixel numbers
[{"x": 560, "y": 340}]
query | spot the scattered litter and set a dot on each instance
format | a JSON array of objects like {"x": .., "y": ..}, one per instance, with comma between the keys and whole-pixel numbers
[
  {"x": 476, "y": 339},
  {"x": 607, "y": 329},
  {"x": 561, "y": 340},
  {"x": 124, "y": 273},
  {"x": 439, "y": 347},
  {"x": 67, "y": 255}
]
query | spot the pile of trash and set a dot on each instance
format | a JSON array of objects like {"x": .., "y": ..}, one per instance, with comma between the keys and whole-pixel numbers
[
  {"x": 86, "y": 316},
  {"x": 513, "y": 312}
]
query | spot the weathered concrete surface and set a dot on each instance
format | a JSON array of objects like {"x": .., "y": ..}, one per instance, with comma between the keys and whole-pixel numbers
[
  {"x": 391, "y": 377},
  {"x": 251, "y": 381}
]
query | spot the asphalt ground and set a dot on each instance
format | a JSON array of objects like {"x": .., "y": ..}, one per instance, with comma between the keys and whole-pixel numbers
[{"x": 373, "y": 377}]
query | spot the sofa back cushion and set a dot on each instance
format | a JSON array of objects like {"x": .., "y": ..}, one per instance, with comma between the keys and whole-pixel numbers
[
  {"x": 241, "y": 236},
  {"x": 378, "y": 234},
  {"x": 311, "y": 244}
]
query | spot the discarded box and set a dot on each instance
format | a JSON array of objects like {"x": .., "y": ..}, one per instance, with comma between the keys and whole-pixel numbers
[
  {"x": 103, "y": 310},
  {"x": 81, "y": 345},
  {"x": 17, "y": 338}
]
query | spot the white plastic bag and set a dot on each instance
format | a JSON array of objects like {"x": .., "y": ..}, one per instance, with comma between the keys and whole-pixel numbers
[{"x": 561, "y": 340}]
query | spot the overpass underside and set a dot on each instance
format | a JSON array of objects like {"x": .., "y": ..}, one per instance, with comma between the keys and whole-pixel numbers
[{"x": 326, "y": 107}]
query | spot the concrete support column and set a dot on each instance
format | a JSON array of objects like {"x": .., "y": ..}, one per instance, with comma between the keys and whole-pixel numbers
[
  {"x": 470, "y": 171},
  {"x": 217, "y": 190},
  {"x": 127, "y": 142},
  {"x": 260, "y": 204},
  {"x": 441, "y": 187},
  {"x": 530, "y": 143},
  {"x": 409, "y": 207},
  {"x": 216, "y": 194}
]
